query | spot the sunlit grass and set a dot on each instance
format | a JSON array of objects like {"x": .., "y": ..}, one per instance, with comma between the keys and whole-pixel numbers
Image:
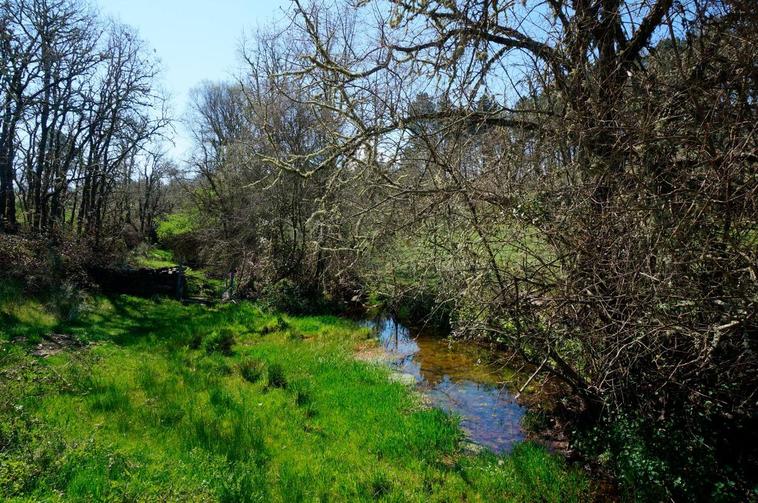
[
  {"x": 148, "y": 412},
  {"x": 22, "y": 317},
  {"x": 152, "y": 258}
]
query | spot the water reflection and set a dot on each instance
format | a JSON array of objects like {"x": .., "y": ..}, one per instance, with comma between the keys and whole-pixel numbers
[{"x": 457, "y": 379}]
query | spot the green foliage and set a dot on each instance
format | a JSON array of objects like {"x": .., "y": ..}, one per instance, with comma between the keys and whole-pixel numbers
[
  {"x": 422, "y": 305},
  {"x": 303, "y": 390},
  {"x": 151, "y": 257},
  {"x": 199, "y": 284},
  {"x": 535, "y": 421},
  {"x": 659, "y": 462},
  {"x": 177, "y": 224},
  {"x": 290, "y": 297},
  {"x": 281, "y": 323},
  {"x": 178, "y": 233},
  {"x": 195, "y": 341}
]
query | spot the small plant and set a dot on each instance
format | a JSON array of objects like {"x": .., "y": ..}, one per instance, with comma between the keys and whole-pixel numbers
[
  {"x": 220, "y": 341},
  {"x": 535, "y": 421},
  {"x": 276, "y": 377},
  {"x": 381, "y": 486},
  {"x": 277, "y": 326},
  {"x": 252, "y": 370}
]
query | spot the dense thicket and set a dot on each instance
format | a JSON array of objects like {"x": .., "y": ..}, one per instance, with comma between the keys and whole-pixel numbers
[
  {"x": 78, "y": 111},
  {"x": 573, "y": 179},
  {"x": 258, "y": 218}
]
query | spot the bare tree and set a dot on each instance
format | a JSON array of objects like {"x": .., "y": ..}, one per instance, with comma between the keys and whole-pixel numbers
[
  {"x": 596, "y": 212},
  {"x": 78, "y": 103}
]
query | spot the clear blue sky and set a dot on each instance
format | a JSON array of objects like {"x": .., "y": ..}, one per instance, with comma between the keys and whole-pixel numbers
[{"x": 195, "y": 40}]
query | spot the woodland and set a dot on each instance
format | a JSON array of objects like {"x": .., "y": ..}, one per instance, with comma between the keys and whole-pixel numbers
[{"x": 570, "y": 183}]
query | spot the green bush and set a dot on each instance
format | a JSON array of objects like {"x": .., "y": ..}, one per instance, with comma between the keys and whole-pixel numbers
[
  {"x": 281, "y": 323},
  {"x": 290, "y": 297},
  {"x": 176, "y": 224},
  {"x": 179, "y": 234},
  {"x": 220, "y": 341},
  {"x": 195, "y": 341},
  {"x": 381, "y": 485},
  {"x": 303, "y": 392},
  {"x": 666, "y": 461}
]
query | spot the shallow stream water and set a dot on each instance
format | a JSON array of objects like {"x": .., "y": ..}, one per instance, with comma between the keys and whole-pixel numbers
[{"x": 458, "y": 378}]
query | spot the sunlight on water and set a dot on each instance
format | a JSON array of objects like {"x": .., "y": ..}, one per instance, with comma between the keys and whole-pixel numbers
[{"x": 456, "y": 378}]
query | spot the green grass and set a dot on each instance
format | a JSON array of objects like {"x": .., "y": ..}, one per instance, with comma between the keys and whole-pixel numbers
[
  {"x": 146, "y": 413},
  {"x": 153, "y": 258}
]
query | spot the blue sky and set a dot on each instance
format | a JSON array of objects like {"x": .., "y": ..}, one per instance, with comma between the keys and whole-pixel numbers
[{"x": 195, "y": 40}]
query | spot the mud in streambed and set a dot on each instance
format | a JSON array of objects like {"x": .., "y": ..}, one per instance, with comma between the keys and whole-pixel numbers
[{"x": 457, "y": 378}]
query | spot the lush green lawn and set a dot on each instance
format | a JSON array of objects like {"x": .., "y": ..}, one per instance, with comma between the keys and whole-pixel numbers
[{"x": 156, "y": 409}]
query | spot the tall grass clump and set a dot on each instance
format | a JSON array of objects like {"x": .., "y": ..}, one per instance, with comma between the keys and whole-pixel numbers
[
  {"x": 220, "y": 341},
  {"x": 252, "y": 370},
  {"x": 276, "y": 376}
]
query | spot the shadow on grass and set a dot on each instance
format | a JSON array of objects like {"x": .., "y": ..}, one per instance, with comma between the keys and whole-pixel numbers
[{"x": 129, "y": 321}]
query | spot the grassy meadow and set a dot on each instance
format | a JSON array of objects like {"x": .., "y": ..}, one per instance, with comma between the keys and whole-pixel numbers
[{"x": 152, "y": 400}]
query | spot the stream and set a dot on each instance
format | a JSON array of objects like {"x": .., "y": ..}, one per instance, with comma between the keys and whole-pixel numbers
[{"x": 455, "y": 376}]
